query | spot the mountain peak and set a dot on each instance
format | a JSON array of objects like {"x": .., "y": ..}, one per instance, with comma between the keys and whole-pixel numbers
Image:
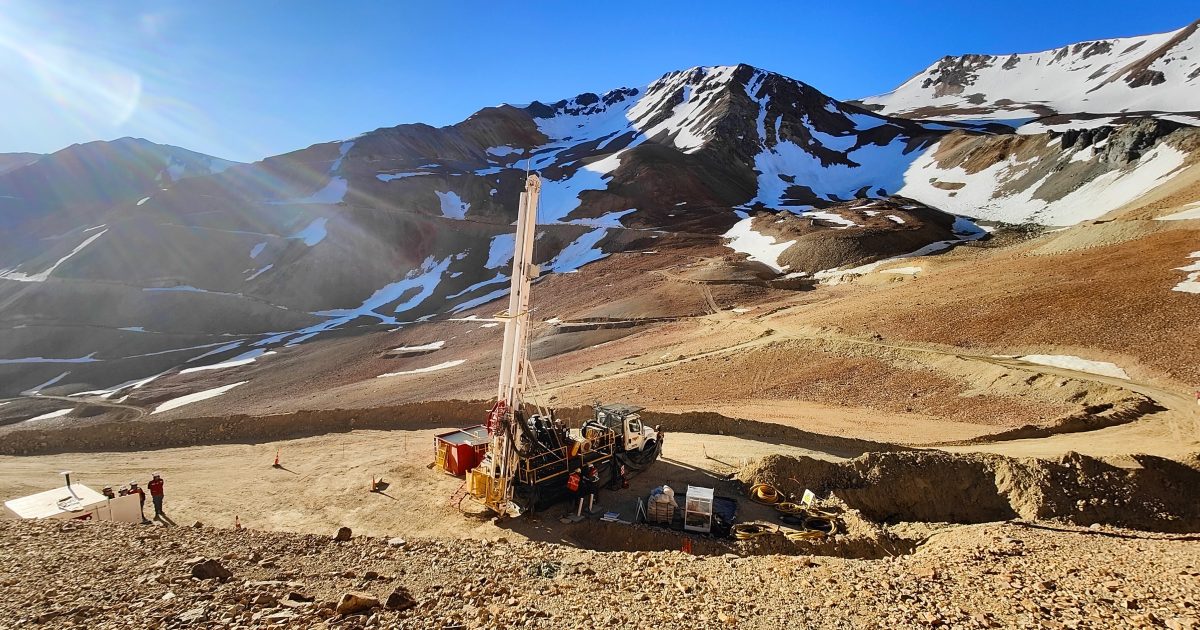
[{"x": 1148, "y": 73}]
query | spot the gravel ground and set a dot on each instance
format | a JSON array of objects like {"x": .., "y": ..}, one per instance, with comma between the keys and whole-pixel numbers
[{"x": 78, "y": 574}]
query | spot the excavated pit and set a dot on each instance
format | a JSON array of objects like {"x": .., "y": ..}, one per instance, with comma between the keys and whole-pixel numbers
[
  {"x": 937, "y": 487},
  {"x": 870, "y": 543}
]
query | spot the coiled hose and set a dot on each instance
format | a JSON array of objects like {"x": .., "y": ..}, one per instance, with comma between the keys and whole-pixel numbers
[
  {"x": 789, "y": 508},
  {"x": 764, "y": 493},
  {"x": 798, "y": 535},
  {"x": 813, "y": 523},
  {"x": 746, "y": 531}
]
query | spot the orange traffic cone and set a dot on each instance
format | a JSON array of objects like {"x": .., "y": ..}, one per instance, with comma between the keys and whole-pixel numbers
[
  {"x": 372, "y": 483},
  {"x": 237, "y": 522},
  {"x": 276, "y": 464},
  {"x": 687, "y": 546}
]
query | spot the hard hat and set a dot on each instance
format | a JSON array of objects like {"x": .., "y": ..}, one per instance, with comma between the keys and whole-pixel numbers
[{"x": 156, "y": 475}]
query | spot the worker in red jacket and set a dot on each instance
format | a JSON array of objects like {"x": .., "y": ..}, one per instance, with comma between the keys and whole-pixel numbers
[
  {"x": 156, "y": 494},
  {"x": 134, "y": 489}
]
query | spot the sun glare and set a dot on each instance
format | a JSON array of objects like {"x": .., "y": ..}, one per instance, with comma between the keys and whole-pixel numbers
[{"x": 85, "y": 88}]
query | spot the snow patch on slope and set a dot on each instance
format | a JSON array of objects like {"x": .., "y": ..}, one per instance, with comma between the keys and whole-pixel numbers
[
  {"x": 260, "y": 272},
  {"x": 387, "y": 177},
  {"x": 880, "y": 170},
  {"x": 314, "y": 232},
  {"x": 35, "y": 390},
  {"x": 501, "y": 250},
  {"x": 242, "y": 359},
  {"x": 333, "y": 193},
  {"x": 41, "y": 277},
  {"x": 453, "y": 207},
  {"x": 434, "y": 345},
  {"x": 760, "y": 247},
  {"x": 53, "y": 414},
  {"x": 1189, "y": 212},
  {"x": 977, "y": 194},
  {"x": 1102, "y": 368},
  {"x": 1192, "y": 283},
  {"x": 579, "y": 252},
  {"x": 85, "y": 359},
  {"x": 432, "y": 368},
  {"x": 423, "y": 280},
  {"x": 175, "y": 403}
]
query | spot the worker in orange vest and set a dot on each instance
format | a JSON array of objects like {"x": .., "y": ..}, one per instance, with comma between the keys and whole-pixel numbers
[{"x": 573, "y": 480}]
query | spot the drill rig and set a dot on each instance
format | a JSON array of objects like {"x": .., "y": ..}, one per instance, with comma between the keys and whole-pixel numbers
[{"x": 529, "y": 458}]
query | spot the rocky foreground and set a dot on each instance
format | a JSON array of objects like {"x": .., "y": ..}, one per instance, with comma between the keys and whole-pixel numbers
[{"x": 78, "y": 574}]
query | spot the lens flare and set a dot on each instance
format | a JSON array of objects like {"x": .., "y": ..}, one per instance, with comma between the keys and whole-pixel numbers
[{"x": 86, "y": 89}]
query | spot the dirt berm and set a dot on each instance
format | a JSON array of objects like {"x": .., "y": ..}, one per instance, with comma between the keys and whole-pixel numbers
[
  {"x": 79, "y": 435},
  {"x": 931, "y": 486}
]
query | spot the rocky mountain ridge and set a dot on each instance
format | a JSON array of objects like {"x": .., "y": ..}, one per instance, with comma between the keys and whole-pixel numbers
[{"x": 1157, "y": 73}]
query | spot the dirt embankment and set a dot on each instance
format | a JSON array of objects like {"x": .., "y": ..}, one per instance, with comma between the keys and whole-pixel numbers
[
  {"x": 144, "y": 435},
  {"x": 1091, "y": 418},
  {"x": 929, "y": 486}
]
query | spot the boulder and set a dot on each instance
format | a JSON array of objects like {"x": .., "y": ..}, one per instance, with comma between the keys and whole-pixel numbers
[
  {"x": 209, "y": 570},
  {"x": 352, "y": 603},
  {"x": 343, "y": 534},
  {"x": 400, "y": 599}
]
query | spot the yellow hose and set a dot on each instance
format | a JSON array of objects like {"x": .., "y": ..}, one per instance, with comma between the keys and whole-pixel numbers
[
  {"x": 817, "y": 523},
  {"x": 825, "y": 526},
  {"x": 789, "y": 508},
  {"x": 764, "y": 493},
  {"x": 796, "y": 535},
  {"x": 815, "y": 527},
  {"x": 746, "y": 531}
]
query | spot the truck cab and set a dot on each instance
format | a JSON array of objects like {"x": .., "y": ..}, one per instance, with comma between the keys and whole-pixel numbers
[{"x": 626, "y": 422}]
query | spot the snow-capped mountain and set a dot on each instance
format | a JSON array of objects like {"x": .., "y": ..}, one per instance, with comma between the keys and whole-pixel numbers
[
  {"x": 757, "y": 140},
  {"x": 1150, "y": 73},
  {"x": 122, "y": 261}
]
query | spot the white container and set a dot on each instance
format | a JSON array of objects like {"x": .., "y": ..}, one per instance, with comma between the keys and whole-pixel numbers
[{"x": 698, "y": 509}]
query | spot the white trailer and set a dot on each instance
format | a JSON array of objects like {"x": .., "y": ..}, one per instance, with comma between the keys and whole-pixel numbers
[{"x": 75, "y": 501}]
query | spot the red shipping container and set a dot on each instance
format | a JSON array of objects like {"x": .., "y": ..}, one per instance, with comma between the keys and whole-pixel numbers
[{"x": 457, "y": 452}]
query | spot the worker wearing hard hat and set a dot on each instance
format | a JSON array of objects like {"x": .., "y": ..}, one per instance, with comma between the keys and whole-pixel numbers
[
  {"x": 591, "y": 480},
  {"x": 156, "y": 493},
  {"x": 134, "y": 489}
]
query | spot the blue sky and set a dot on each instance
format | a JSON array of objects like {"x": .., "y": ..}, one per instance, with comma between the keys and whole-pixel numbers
[{"x": 244, "y": 80}]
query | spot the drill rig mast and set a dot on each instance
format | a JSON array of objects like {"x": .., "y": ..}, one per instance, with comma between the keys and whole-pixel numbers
[{"x": 492, "y": 482}]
